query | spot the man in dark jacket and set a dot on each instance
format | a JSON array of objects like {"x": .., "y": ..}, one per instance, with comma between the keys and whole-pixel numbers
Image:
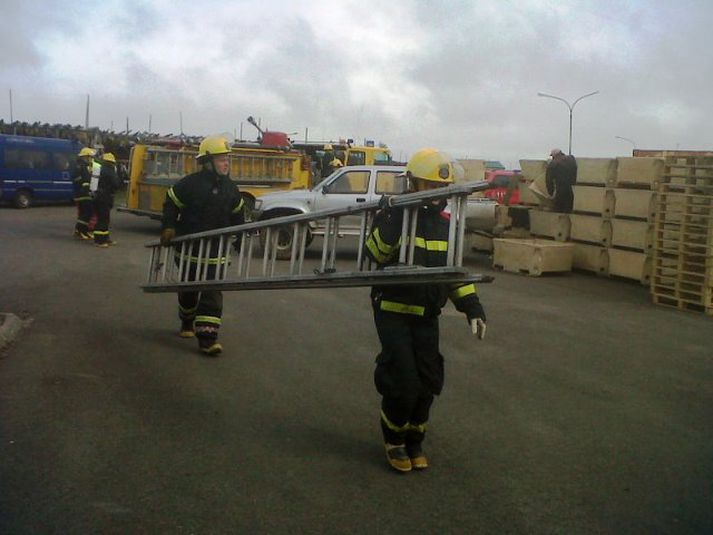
[
  {"x": 104, "y": 200},
  {"x": 82, "y": 194},
  {"x": 409, "y": 369},
  {"x": 205, "y": 200},
  {"x": 561, "y": 176}
]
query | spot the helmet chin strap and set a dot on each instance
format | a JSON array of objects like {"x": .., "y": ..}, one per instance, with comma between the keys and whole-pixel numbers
[{"x": 211, "y": 165}]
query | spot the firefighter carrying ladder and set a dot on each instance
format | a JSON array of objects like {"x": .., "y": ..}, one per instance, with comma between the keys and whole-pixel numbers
[{"x": 238, "y": 268}]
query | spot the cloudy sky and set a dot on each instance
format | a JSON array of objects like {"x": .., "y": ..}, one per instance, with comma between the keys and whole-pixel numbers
[{"x": 459, "y": 75}]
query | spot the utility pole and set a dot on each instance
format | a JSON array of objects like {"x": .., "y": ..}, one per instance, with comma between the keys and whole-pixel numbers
[
  {"x": 306, "y": 132},
  {"x": 180, "y": 121},
  {"x": 149, "y": 123},
  {"x": 86, "y": 115},
  {"x": 11, "y": 118}
]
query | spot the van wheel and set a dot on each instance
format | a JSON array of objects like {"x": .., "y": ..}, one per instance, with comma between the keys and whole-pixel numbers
[
  {"x": 22, "y": 199},
  {"x": 284, "y": 241}
]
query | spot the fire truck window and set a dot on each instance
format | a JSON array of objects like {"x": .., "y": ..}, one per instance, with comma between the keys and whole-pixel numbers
[
  {"x": 176, "y": 165},
  {"x": 158, "y": 164},
  {"x": 382, "y": 158},
  {"x": 357, "y": 157}
]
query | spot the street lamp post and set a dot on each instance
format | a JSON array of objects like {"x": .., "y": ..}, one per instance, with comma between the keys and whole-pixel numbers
[
  {"x": 571, "y": 107},
  {"x": 633, "y": 143}
]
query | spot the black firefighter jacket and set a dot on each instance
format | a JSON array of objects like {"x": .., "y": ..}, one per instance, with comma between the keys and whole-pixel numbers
[
  {"x": 108, "y": 184},
  {"x": 202, "y": 201},
  {"x": 80, "y": 182},
  {"x": 431, "y": 250}
]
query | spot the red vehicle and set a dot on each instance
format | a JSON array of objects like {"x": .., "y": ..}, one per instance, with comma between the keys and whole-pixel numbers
[{"x": 503, "y": 181}]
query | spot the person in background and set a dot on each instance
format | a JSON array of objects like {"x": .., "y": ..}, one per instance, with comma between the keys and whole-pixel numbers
[
  {"x": 327, "y": 158},
  {"x": 82, "y": 195},
  {"x": 409, "y": 369},
  {"x": 104, "y": 200},
  {"x": 561, "y": 175},
  {"x": 202, "y": 201}
]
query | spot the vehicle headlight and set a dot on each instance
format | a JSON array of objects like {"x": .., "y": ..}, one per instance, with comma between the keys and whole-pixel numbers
[{"x": 258, "y": 204}]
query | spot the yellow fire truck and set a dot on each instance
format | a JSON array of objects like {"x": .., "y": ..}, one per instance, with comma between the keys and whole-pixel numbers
[
  {"x": 155, "y": 167},
  {"x": 273, "y": 163}
]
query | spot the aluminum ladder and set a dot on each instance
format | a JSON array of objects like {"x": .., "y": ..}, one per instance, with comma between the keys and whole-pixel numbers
[{"x": 172, "y": 268}]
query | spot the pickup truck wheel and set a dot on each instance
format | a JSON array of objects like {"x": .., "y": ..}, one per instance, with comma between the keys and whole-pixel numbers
[
  {"x": 22, "y": 199},
  {"x": 284, "y": 241}
]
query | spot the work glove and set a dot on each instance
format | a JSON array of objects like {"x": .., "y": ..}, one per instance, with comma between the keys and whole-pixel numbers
[
  {"x": 384, "y": 202},
  {"x": 167, "y": 235},
  {"x": 477, "y": 326}
]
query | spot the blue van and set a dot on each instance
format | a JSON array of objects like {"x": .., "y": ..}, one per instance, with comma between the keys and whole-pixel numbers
[{"x": 36, "y": 169}]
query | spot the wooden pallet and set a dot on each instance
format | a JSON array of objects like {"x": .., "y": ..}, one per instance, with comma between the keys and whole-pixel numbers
[{"x": 671, "y": 300}]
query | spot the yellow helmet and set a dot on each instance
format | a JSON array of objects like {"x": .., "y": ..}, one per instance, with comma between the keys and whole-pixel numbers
[
  {"x": 328, "y": 146},
  {"x": 86, "y": 151},
  {"x": 336, "y": 162},
  {"x": 212, "y": 146},
  {"x": 109, "y": 157},
  {"x": 432, "y": 165}
]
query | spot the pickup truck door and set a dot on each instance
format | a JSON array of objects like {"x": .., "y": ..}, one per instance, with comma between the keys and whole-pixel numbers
[{"x": 348, "y": 188}]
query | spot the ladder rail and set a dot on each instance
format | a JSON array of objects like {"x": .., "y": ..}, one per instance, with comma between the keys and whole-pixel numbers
[{"x": 187, "y": 272}]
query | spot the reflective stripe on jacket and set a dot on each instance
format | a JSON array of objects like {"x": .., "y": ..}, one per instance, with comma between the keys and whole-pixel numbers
[
  {"x": 204, "y": 201},
  {"x": 383, "y": 245}
]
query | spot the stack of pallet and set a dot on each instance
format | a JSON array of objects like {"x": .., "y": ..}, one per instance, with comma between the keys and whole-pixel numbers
[
  {"x": 590, "y": 221},
  {"x": 516, "y": 250},
  {"x": 633, "y": 194},
  {"x": 683, "y": 247},
  {"x": 611, "y": 225}
]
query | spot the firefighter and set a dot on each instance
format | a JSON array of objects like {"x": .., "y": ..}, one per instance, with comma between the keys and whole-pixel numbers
[
  {"x": 82, "y": 194},
  {"x": 204, "y": 200},
  {"x": 409, "y": 368},
  {"x": 328, "y": 158},
  {"x": 104, "y": 200}
]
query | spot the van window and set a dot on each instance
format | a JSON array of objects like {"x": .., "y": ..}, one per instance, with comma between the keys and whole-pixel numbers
[
  {"x": 389, "y": 182},
  {"x": 62, "y": 161},
  {"x": 26, "y": 159}
]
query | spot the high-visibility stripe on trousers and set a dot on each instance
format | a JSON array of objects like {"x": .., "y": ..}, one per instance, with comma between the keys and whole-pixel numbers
[
  {"x": 408, "y": 373},
  {"x": 204, "y": 308}
]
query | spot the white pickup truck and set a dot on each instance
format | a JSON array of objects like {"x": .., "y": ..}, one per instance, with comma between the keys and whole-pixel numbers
[{"x": 351, "y": 186}]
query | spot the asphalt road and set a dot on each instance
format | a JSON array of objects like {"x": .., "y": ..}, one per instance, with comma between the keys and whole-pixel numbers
[{"x": 585, "y": 410}]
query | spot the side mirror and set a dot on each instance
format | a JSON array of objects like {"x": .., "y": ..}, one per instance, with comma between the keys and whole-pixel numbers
[{"x": 325, "y": 190}]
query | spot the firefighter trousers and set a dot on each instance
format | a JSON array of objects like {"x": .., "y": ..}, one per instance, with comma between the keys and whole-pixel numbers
[
  {"x": 103, "y": 211},
  {"x": 408, "y": 374},
  {"x": 85, "y": 211},
  {"x": 205, "y": 308}
]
